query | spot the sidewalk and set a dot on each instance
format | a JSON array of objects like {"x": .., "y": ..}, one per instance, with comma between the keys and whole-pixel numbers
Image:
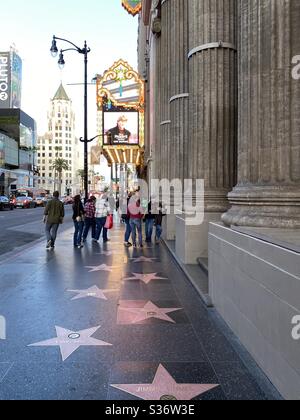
[{"x": 98, "y": 323}]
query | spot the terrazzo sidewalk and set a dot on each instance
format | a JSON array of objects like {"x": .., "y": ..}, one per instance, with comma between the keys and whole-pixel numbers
[{"x": 107, "y": 323}]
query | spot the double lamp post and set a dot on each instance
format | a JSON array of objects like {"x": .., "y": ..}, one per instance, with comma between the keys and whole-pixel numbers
[{"x": 61, "y": 62}]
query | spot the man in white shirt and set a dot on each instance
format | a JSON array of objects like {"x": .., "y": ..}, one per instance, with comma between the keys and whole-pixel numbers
[{"x": 102, "y": 211}]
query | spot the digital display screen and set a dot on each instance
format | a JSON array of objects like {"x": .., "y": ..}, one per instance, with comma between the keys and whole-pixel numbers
[{"x": 121, "y": 128}]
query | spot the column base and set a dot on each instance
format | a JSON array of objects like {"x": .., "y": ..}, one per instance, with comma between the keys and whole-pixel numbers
[
  {"x": 255, "y": 286},
  {"x": 169, "y": 230},
  {"x": 192, "y": 241},
  {"x": 271, "y": 207}
]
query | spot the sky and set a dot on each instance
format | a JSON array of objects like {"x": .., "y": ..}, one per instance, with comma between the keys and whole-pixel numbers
[{"x": 109, "y": 30}]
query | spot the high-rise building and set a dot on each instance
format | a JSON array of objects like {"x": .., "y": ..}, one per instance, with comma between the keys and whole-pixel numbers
[
  {"x": 18, "y": 145},
  {"x": 59, "y": 142}
]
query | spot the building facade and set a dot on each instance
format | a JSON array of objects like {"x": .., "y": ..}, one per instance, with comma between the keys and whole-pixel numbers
[
  {"x": 18, "y": 139},
  {"x": 223, "y": 105},
  {"x": 60, "y": 142}
]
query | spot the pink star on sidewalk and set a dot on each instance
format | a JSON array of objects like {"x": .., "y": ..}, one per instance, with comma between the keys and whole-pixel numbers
[
  {"x": 70, "y": 341},
  {"x": 133, "y": 315},
  {"x": 146, "y": 278},
  {"x": 94, "y": 292},
  {"x": 165, "y": 387},
  {"x": 102, "y": 267},
  {"x": 143, "y": 259}
]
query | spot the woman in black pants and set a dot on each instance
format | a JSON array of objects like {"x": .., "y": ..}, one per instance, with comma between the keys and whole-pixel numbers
[{"x": 78, "y": 218}]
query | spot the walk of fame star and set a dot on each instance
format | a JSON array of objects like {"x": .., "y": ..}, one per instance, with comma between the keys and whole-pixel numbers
[
  {"x": 102, "y": 267},
  {"x": 143, "y": 259},
  {"x": 165, "y": 387},
  {"x": 93, "y": 292},
  {"x": 134, "y": 315},
  {"x": 146, "y": 278},
  {"x": 70, "y": 341}
]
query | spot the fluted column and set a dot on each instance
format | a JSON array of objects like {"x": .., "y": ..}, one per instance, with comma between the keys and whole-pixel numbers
[
  {"x": 166, "y": 23},
  {"x": 213, "y": 98},
  {"x": 268, "y": 190},
  {"x": 179, "y": 89}
]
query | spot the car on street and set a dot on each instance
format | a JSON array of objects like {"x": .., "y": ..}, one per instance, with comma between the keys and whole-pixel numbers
[
  {"x": 40, "y": 202},
  {"x": 25, "y": 203},
  {"x": 5, "y": 204}
]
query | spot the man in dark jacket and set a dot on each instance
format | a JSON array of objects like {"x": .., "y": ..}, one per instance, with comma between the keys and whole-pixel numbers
[
  {"x": 119, "y": 134},
  {"x": 53, "y": 217}
]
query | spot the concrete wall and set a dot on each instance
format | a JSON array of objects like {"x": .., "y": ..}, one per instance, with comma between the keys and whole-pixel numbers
[{"x": 255, "y": 286}]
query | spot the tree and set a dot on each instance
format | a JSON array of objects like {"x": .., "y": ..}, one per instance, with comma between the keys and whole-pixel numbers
[
  {"x": 81, "y": 175},
  {"x": 60, "y": 165}
]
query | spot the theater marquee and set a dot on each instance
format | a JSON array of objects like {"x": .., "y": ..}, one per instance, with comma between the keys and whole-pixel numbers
[
  {"x": 120, "y": 100},
  {"x": 132, "y": 6}
]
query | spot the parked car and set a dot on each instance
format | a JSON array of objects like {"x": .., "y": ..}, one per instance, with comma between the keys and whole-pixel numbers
[
  {"x": 40, "y": 202},
  {"x": 5, "y": 204},
  {"x": 25, "y": 203}
]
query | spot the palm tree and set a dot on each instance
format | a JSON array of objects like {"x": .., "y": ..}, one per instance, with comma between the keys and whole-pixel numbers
[
  {"x": 81, "y": 175},
  {"x": 60, "y": 165}
]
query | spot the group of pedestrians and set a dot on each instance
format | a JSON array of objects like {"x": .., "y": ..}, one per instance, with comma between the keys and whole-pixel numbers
[
  {"x": 93, "y": 217},
  {"x": 136, "y": 214}
]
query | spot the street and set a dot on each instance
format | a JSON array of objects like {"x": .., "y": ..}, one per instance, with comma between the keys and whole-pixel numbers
[{"x": 21, "y": 227}]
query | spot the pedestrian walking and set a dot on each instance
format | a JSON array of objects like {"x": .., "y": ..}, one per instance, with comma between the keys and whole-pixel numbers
[
  {"x": 90, "y": 219},
  {"x": 136, "y": 216},
  {"x": 102, "y": 212},
  {"x": 160, "y": 213},
  {"x": 53, "y": 217},
  {"x": 149, "y": 223},
  {"x": 126, "y": 221},
  {"x": 78, "y": 219}
]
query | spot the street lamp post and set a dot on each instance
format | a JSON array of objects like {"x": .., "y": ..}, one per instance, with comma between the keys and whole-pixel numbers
[{"x": 61, "y": 62}]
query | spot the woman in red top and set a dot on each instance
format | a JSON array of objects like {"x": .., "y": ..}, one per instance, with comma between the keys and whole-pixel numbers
[{"x": 136, "y": 215}]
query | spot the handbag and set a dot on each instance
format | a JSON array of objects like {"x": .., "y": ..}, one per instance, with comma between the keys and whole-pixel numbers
[
  {"x": 81, "y": 218},
  {"x": 109, "y": 222}
]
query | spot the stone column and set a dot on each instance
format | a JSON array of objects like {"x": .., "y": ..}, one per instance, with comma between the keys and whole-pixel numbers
[
  {"x": 212, "y": 136},
  {"x": 268, "y": 190},
  {"x": 167, "y": 146},
  {"x": 179, "y": 88}
]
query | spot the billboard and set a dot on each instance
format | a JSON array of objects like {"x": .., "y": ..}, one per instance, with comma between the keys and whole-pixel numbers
[
  {"x": 5, "y": 80},
  {"x": 16, "y": 80},
  {"x": 121, "y": 128}
]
